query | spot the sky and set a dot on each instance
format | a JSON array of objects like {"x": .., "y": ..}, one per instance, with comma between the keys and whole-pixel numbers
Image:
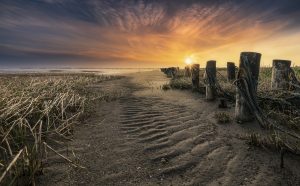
[{"x": 145, "y": 33}]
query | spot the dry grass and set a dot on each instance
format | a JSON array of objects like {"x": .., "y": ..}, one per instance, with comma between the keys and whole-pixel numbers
[
  {"x": 273, "y": 141},
  {"x": 222, "y": 117},
  {"x": 281, "y": 107},
  {"x": 33, "y": 110},
  {"x": 179, "y": 82},
  {"x": 182, "y": 83}
]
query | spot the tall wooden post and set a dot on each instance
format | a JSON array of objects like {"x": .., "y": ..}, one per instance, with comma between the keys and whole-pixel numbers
[
  {"x": 187, "y": 71},
  {"x": 211, "y": 73},
  {"x": 230, "y": 71},
  {"x": 280, "y": 74},
  {"x": 195, "y": 70},
  {"x": 248, "y": 69}
]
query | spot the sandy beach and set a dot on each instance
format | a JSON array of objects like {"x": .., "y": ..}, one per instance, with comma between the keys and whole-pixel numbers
[
  {"x": 153, "y": 137},
  {"x": 149, "y": 92}
]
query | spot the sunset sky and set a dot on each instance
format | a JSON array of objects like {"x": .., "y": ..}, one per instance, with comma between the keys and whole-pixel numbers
[{"x": 145, "y": 33}]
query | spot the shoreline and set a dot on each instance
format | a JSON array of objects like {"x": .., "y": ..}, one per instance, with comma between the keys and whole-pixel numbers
[{"x": 106, "y": 71}]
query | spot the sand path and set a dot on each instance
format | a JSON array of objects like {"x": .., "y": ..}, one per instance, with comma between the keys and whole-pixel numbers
[{"x": 153, "y": 137}]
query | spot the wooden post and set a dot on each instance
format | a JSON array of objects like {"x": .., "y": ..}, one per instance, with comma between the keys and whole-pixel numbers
[
  {"x": 249, "y": 62},
  {"x": 230, "y": 71},
  {"x": 211, "y": 73},
  {"x": 280, "y": 74},
  {"x": 168, "y": 72},
  {"x": 177, "y": 72},
  {"x": 174, "y": 71},
  {"x": 187, "y": 71},
  {"x": 195, "y": 70}
]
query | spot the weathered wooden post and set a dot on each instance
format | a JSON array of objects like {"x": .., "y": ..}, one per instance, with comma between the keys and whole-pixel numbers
[
  {"x": 211, "y": 73},
  {"x": 177, "y": 71},
  {"x": 248, "y": 70},
  {"x": 280, "y": 74},
  {"x": 174, "y": 71},
  {"x": 168, "y": 72},
  {"x": 230, "y": 71},
  {"x": 195, "y": 70},
  {"x": 187, "y": 71}
]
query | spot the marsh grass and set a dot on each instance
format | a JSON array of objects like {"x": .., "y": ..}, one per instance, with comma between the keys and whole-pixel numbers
[
  {"x": 34, "y": 109},
  {"x": 179, "y": 82},
  {"x": 273, "y": 141},
  {"x": 222, "y": 117},
  {"x": 281, "y": 107},
  {"x": 182, "y": 83}
]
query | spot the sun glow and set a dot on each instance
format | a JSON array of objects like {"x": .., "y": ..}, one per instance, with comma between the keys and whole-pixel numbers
[{"x": 188, "y": 61}]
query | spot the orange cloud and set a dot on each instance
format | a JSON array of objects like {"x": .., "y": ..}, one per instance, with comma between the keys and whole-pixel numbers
[{"x": 127, "y": 34}]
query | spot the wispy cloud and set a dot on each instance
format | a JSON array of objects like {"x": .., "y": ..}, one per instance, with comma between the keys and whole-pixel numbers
[{"x": 144, "y": 32}]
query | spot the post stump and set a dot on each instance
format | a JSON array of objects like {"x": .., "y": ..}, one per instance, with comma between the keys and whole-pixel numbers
[
  {"x": 230, "y": 71},
  {"x": 248, "y": 69},
  {"x": 187, "y": 71},
  {"x": 211, "y": 73},
  {"x": 195, "y": 71},
  {"x": 174, "y": 71},
  {"x": 280, "y": 74}
]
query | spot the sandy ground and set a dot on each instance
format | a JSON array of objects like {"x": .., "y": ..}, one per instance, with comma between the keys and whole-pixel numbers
[{"x": 155, "y": 137}]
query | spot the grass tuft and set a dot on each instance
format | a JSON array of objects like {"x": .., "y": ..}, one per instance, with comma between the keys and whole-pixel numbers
[
  {"x": 34, "y": 110},
  {"x": 181, "y": 83},
  {"x": 222, "y": 117}
]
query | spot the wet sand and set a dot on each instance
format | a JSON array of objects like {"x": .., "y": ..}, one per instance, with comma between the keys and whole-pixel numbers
[{"x": 155, "y": 137}]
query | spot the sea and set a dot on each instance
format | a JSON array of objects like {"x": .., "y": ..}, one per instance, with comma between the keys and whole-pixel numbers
[{"x": 105, "y": 71}]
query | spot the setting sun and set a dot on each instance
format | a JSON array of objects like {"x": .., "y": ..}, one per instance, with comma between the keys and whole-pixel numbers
[{"x": 188, "y": 61}]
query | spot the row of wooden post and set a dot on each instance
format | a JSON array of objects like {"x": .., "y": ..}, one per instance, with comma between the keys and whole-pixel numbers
[
  {"x": 171, "y": 71},
  {"x": 194, "y": 72},
  {"x": 248, "y": 67}
]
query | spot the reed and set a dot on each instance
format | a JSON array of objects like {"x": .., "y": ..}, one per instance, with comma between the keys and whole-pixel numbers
[{"x": 34, "y": 109}]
